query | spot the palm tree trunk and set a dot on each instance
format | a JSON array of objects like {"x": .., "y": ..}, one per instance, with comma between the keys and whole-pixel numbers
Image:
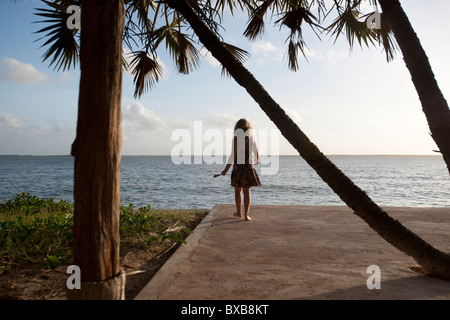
[
  {"x": 432, "y": 260},
  {"x": 97, "y": 151},
  {"x": 433, "y": 102}
]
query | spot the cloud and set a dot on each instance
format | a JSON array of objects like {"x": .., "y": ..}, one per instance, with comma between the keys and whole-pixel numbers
[
  {"x": 332, "y": 56},
  {"x": 21, "y": 136},
  {"x": 209, "y": 58},
  {"x": 265, "y": 50},
  {"x": 220, "y": 120},
  {"x": 10, "y": 123},
  {"x": 15, "y": 71},
  {"x": 138, "y": 118}
]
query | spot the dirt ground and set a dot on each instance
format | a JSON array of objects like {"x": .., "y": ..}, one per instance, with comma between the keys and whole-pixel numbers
[{"x": 39, "y": 283}]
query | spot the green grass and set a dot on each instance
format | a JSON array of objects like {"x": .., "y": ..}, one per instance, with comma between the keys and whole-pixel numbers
[{"x": 39, "y": 231}]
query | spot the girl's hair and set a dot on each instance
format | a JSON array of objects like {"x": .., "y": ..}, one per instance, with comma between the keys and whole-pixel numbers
[{"x": 243, "y": 124}]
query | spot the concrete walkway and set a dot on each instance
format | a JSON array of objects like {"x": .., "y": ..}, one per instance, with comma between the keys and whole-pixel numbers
[{"x": 298, "y": 252}]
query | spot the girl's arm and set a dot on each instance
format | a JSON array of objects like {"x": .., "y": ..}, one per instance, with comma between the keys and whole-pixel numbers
[{"x": 224, "y": 172}]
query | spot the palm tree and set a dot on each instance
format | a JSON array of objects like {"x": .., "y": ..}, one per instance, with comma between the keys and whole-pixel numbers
[
  {"x": 97, "y": 151},
  {"x": 432, "y": 260},
  {"x": 395, "y": 28},
  {"x": 433, "y": 102},
  {"x": 97, "y": 147}
]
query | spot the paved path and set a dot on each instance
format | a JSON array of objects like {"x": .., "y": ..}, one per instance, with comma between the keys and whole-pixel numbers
[{"x": 298, "y": 252}]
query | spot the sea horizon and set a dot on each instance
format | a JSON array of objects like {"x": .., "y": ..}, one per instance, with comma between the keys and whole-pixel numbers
[{"x": 155, "y": 180}]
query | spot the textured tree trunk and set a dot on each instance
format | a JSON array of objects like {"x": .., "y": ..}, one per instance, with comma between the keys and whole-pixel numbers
[
  {"x": 433, "y": 102},
  {"x": 97, "y": 151},
  {"x": 432, "y": 260}
]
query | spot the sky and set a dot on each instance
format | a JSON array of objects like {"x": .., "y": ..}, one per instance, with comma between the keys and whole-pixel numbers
[{"x": 347, "y": 102}]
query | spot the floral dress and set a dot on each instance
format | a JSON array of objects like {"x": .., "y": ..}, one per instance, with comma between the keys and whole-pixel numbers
[{"x": 244, "y": 174}]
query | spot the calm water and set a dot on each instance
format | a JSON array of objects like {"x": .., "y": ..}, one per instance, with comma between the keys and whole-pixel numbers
[{"x": 157, "y": 181}]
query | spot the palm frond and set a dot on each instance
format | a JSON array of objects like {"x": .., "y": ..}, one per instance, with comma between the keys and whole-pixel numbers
[
  {"x": 188, "y": 56},
  {"x": 386, "y": 38},
  {"x": 347, "y": 23},
  {"x": 63, "y": 48},
  {"x": 142, "y": 9},
  {"x": 238, "y": 53},
  {"x": 183, "y": 52},
  {"x": 293, "y": 19},
  {"x": 146, "y": 72},
  {"x": 167, "y": 34},
  {"x": 292, "y": 54},
  {"x": 255, "y": 27},
  {"x": 221, "y": 5}
]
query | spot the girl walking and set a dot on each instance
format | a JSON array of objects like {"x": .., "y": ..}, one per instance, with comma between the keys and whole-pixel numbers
[{"x": 244, "y": 156}]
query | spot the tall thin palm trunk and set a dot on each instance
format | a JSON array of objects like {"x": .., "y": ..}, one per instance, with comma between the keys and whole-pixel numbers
[
  {"x": 432, "y": 260},
  {"x": 97, "y": 151},
  {"x": 433, "y": 102}
]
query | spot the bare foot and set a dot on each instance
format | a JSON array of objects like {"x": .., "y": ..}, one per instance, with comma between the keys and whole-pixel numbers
[
  {"x": 237, "y": 215},
  {"x": 247, "y": 218}
]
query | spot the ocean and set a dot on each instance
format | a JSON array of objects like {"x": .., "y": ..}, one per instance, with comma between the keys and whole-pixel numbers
[{"x": 416, "y": 181}]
